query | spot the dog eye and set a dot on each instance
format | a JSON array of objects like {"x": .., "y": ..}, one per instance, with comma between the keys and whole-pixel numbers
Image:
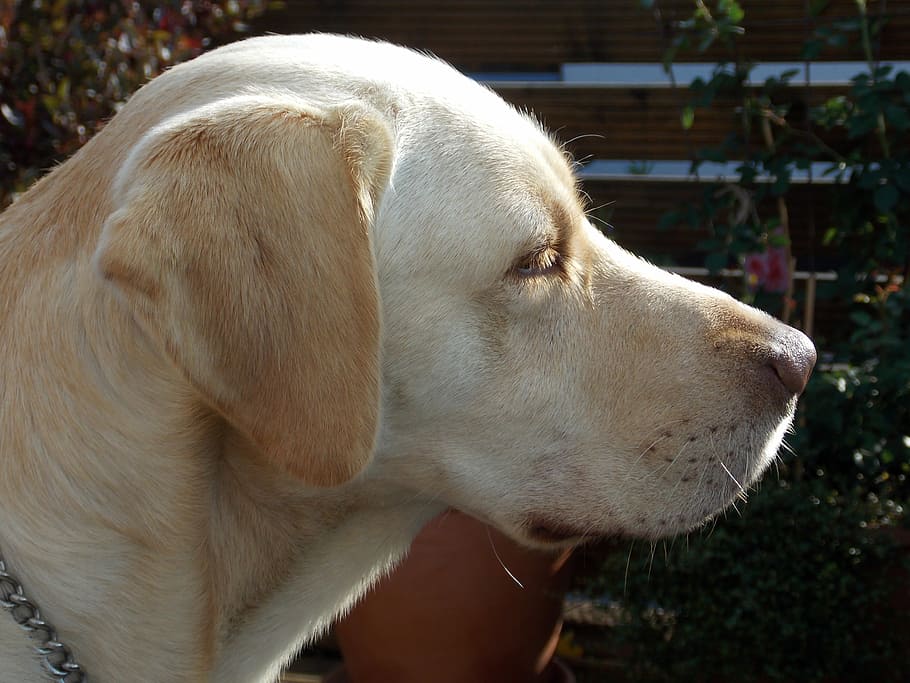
[{"x": 543, "y": 261}]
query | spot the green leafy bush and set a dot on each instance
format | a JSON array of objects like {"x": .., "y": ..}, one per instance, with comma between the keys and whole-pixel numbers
[
  {"x": 790, "y": 591},
  {"x": 854, "y": 436},
  {"x": 800, "y": 587},
  {"x": 65, "y": 67},
  {"x": 855, "y": 425}
]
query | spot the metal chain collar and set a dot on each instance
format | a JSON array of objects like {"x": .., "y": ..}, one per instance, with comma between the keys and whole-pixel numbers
[{"x": 55, "y": 656}]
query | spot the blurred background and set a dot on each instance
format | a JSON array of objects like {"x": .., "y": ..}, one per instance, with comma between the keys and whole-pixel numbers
[{"x": 759, "y": 146}]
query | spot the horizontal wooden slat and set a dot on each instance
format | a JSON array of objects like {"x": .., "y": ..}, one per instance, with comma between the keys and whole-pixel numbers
[
  {"x": 537, "y": 35},
  {"x": 634, "y": 210},
  {"x": 643, "y": 123}
]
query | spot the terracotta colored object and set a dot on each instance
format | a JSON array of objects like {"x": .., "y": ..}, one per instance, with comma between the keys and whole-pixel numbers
[{"x": 452, "y": 614}]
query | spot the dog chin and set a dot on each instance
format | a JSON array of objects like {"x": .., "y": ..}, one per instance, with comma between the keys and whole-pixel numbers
[
  {"x": 540, "y": 532},
  {"x": 547, "y": 532}
]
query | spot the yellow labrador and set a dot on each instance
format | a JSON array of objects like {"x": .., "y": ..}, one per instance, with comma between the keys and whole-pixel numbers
[{"x": 296, "y": 297}]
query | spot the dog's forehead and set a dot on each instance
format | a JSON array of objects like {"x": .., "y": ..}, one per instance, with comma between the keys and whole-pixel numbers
[
  {"x": 486, "y": 173},
  {"x": 474, "y": 225}
]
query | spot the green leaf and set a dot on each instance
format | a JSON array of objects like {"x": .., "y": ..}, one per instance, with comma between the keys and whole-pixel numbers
[
  {"x": 688, "y": 117},
  {"x": 837, "y": 40},
  {"x": 861, "y": 318},
  {"x": 669, "y": 220},
  {"x": 902, "y": 178},
  {"x": 710, "y": 244},
  {"x": 811, "y": 49},
  {"x": 869, "y": 178},
  {"x": 776, "y": 239},
  {"x": 886, "y": 197},
  {"x": 781, "y": 184},
  {"x": 706, "y": 41},
  {"x": 788, "y": 75},
  {"x": 715, "y": 262},
  {"x": 881, "y": 72},
  {"x": 732, "y": 9},
  {"x": 715, "y": 154},
  {"x": 860, "y": 125},
  {"x": 897, "y": 116},
  {"x": 817, "y": 6}
]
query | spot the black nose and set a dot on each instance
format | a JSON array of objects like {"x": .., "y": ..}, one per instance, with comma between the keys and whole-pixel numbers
[{"x": 792, "y": 359}]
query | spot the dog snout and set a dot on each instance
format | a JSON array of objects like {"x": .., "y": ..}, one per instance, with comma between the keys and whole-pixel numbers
[
  {"x": 792, "y": 358},
  {"x": 777, "y": 356}
]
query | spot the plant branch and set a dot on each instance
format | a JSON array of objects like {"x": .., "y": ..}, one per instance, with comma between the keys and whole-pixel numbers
[{"x": 880, "y": 129}]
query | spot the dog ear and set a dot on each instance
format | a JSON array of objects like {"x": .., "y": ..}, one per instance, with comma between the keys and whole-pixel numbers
[{"x": 241, "y": 241}]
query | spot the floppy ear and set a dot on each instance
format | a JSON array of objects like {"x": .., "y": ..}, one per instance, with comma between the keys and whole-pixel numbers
[{"x": 241, "y": 241}]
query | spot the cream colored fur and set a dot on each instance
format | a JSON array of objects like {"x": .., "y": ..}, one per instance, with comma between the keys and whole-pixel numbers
[{"x": 300, "y": 294}]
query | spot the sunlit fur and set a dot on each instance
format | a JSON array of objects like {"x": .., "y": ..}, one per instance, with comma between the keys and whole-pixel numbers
[{"x": 268, "y": 322}]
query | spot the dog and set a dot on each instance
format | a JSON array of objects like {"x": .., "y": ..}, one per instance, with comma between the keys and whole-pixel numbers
[{"x": 298, "y": 296}]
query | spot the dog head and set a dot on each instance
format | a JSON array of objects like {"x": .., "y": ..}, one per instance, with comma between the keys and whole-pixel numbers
[
  {"x": 538, "y": 375},
  {"x": 374, "y": 244}
]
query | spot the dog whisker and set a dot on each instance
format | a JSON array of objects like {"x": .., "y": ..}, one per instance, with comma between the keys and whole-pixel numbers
[
  {"x": 787, "y": 447},
  {"x": 663, "y": 436},
  {"x": 675, "y": 458},
  {"x": 646, "y": 450},
  {"x": 651, "y": 559},
  {"x": 735, "y": 481},
  {"x": 578, "y": 163},
  {"x": 583, "y": 136},
  {"x": 586, "y": 197},
  {"x": 599, "y": 207},
  {"x": 604, "y": 223},
  {"x": 501, "y": 563},
  {"x": 713, "y": 526},
  {"x": 625, "y": 578}
]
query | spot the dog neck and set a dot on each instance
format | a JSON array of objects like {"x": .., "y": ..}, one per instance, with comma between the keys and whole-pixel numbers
[
  {"x": 17, "y": 653},
  {"x": 145, "y": 519},
  {"x": 89, "y": 448}
]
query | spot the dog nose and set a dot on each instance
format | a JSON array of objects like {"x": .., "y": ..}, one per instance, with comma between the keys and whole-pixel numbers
[{"x": 792, "y": 358}]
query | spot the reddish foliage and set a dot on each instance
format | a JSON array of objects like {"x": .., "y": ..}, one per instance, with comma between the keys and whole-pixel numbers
[
  {"x": 65, "y": 67},
  {"x": 769, "y": 269}
]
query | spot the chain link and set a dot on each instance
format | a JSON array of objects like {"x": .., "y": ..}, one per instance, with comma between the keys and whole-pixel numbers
[{"x": 55, "y": 656}]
